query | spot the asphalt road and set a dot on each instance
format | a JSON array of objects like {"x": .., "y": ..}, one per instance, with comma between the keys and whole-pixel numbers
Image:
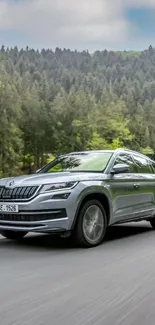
[{"x": 44, "y": 281}]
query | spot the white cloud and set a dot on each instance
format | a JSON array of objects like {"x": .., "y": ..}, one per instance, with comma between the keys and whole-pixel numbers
[
  {"x": 91, "y": 24},
  {"x": 66, "y": 23}
]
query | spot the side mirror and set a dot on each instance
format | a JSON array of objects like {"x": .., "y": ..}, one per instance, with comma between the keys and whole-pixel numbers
[{"x": 120, "y": 169}]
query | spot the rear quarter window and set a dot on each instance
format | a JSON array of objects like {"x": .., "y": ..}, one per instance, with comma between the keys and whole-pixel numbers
[{"x": 144, "y": 166}]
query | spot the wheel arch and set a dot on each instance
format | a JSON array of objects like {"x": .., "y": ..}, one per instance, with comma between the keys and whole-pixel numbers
[{"x": 97, "y": 195}]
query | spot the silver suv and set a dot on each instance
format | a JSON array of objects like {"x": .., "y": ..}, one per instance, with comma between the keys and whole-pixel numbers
[{"x": 79, "y": 195}]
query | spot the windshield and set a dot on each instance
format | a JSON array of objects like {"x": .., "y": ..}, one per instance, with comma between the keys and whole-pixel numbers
[{"x": 83, "y": 162}]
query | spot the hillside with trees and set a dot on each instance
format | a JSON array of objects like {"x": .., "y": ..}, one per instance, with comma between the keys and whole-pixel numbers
[{"x": 53, "y": 102}]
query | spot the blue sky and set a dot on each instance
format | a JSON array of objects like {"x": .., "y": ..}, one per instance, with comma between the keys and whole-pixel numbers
[
  {"x": 78, "y": 24},
  {"x": 143, "y": 19}
]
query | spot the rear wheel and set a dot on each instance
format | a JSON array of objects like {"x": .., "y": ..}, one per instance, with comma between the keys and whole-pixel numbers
[
  {"x": 14, "y": 235},
  {"x": 91, "y": 224}
]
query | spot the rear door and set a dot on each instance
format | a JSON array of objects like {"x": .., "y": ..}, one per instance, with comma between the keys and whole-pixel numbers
[{"x": 145, "y": 182}]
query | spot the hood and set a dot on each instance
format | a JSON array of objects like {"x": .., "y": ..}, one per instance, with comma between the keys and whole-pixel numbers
[{"x": 40, "y": 179}]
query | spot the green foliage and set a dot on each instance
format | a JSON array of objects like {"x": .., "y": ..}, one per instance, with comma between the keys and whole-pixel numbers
[
  {"x": 97, "y": 142},
  {"x": 53, "y": 102},
  {"x": 129, "y": 53},
  {"x": 146, "y": 151}
]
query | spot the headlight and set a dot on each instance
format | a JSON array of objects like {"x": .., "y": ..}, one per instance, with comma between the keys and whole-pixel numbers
[{"x": 58, "y": 186}]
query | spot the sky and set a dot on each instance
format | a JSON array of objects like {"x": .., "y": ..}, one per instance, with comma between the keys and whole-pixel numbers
[{"x": 78, "y": 24}]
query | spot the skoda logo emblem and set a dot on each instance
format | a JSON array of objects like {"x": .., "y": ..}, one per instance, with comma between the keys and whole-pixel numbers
[{"x": 11, "y": 183}]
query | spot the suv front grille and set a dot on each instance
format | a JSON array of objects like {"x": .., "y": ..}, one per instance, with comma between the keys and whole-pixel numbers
[{"x": 17, "y": 193}]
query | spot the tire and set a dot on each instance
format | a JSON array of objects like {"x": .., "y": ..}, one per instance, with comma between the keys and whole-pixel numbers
[
  {"x": 86, "y": 228},
  {"x": 13, "y": 235},
  {"x": 152, "y": 222}
]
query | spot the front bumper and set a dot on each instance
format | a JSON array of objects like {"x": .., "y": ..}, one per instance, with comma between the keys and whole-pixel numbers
[
  {"x": 43, "y": 214},
  {"x": 53, "y": 221}
]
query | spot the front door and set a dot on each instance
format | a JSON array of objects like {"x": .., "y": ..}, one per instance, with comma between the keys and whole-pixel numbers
[{"x": 124, "y": 190}]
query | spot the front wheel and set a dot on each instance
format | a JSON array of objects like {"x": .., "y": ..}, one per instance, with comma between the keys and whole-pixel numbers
[
  {"x": 91, "y": 224},
  {"x": 13, "y": 235},
  {"x": 152, "y": 222}
]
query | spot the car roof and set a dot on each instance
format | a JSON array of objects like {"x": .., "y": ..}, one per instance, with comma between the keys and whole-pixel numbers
[
  {"x": 105, "y": 150},
  {"x": 115, "y": 151},
  {"x": 90, "y": 151}
]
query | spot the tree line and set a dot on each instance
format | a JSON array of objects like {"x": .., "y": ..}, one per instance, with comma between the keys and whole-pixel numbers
[{"x": 54, "y": 102}]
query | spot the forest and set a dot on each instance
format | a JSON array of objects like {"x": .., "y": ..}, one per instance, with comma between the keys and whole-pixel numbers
[{"x": 55, "y": 102}]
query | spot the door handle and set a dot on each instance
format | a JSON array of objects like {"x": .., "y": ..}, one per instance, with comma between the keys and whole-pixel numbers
[{"x": 136, "y": 185}]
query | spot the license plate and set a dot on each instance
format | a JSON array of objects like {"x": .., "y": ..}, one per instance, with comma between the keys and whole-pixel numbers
[{"x": 10, "y": 208}]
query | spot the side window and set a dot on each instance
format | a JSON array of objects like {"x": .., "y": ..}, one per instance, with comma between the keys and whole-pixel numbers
[
  {"x": 126, "y": 159},
  {"x": 144, "y": 166}
]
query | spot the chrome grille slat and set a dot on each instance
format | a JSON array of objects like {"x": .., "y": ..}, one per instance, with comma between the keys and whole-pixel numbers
[
  {"x": 26, "y": 193},
  {"x": 1, "y": 190},
  {"x": 14, "y": 193},
  {"x": 22, "y": 192},
  {"x": 17, "y": 193}
]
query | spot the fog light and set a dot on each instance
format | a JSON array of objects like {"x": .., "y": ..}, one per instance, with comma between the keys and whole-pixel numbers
[{"x": 62, "y": 196}]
